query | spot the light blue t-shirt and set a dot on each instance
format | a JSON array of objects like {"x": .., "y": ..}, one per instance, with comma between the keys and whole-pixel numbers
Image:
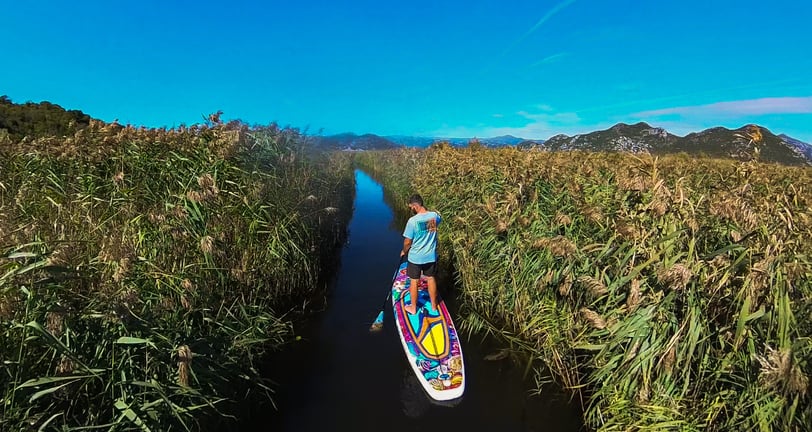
[{"x": 422, "y": 229}]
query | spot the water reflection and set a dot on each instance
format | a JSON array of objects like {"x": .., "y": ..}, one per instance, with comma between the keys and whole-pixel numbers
[
  {"x": 341, "y": 376},
  {"x": 415, "y": 401},
  {"x": 413, "y": 398}
]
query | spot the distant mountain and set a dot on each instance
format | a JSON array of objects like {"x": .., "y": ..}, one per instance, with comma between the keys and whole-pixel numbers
[
  {"x": 47, "y": 119},
  {"x": 411, "y": 141},
  {"x": 635, "y": 138},
  {"x": 529, "y": 144},
  {"x": 740, "y": 144},
  {"x": 801, "y": 147},
  {"x": 715, "y": 142},
  {"x": 423, "y": 142},
  {"x": 351, "y": 141},
  {"x": 504, "y": 140}
]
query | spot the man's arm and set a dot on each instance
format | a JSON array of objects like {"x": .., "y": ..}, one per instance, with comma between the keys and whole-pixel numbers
[{"x": 407, "y": 244}]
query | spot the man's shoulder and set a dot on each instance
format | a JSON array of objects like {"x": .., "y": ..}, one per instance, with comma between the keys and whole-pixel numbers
[{"x": 424, "y": 216}]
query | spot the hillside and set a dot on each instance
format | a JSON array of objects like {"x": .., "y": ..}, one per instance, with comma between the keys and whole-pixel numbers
[
  {"x": 635, "y": 138},
  {"x": 743, "y": 143},
  {"x": 39, "y": 119},
  {"x": 799, "y": 146},
  {"x": 621, "y": 137},
  {"x": 351, "y": 141},
  {"x": 498, "y": 141}
]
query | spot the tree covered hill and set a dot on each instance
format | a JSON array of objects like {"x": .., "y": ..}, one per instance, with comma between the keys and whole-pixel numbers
[{"x": 38, "y": 119}]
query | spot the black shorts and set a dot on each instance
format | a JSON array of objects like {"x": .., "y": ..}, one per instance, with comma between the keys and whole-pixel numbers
[{"x": 413, "y": 270}]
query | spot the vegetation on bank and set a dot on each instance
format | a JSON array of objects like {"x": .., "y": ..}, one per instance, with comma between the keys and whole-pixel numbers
[
  {"x": 671, "y": 293},
  {"x": 34, "y": 120},
  {"x": 144, "y": 273}
]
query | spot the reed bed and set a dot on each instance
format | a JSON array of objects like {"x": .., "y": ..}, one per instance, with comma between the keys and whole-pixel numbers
[
  {"x": 669, "y": 293},
  {"x": 145, "y": 273}
]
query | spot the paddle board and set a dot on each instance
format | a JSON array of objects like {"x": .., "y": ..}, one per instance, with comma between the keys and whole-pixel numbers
[{"x": 429, "y": 340}]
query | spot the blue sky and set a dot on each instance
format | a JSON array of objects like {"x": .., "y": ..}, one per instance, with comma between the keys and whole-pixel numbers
[{"x": 454, "y": 68}]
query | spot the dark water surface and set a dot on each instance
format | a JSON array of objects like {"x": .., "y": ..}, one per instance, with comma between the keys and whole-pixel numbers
[{"x": 342, "y": 377}]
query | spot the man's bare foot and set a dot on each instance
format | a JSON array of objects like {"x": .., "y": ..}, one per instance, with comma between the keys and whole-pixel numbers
[
  {"x": 434, "y": 309},
  {"x": 411, "y": 309}
]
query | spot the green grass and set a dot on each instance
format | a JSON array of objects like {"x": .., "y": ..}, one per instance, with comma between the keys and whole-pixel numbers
[
  {"x": 144, "y": 274},
  {"x": 668, "y": 293}
]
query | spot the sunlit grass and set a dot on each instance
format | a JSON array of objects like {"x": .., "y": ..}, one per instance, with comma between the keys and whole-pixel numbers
[
  {"x": 144, "y": 273},
  {"x": 672, "y": 293}
]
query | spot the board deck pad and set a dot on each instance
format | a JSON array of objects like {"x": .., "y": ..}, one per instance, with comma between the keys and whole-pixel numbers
[{"x": 429, "y": 340}]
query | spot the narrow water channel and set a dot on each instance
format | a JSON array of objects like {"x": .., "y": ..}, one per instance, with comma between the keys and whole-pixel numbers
[{"x": 342, "y": 377}]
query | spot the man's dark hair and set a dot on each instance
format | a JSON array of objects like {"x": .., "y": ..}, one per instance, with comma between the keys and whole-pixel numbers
[{"x": 416, "y": 199}]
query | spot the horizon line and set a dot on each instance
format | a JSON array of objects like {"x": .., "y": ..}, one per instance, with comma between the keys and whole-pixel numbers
[{"x": 438, "y": 137}]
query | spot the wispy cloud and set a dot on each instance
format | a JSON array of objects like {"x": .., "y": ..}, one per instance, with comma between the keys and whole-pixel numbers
[
  {"x": 740, "y": 108},
  {"x": 543, "y": 121},
  {"x": 715, "y": 92},
  {"x": 536, "y": 125},
  {"x": 549, "y": 118},
  {"x": 557, "y": 8},
  {"x": 549, "y": 59}
]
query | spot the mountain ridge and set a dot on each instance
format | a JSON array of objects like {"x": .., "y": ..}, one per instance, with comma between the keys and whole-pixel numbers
[
  {"x": 743, "y": 143},
  {"x": 31, "y": 120}
]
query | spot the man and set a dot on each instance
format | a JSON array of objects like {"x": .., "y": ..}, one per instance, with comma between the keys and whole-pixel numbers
[{"x": 420, "y": 247}]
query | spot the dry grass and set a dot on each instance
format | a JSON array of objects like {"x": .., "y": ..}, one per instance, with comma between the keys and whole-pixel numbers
[
  {"x": 124, "y": 250},
  {"x": 668, "y": 274}
]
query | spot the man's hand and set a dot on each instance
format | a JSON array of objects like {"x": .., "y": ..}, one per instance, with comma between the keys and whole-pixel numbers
[{"x": 407, "y": 244}]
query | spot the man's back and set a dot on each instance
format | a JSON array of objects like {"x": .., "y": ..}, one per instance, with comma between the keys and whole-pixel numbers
[{"x": 422, "y": 230}]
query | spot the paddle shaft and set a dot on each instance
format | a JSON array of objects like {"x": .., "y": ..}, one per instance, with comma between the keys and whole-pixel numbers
[
  {"x": 388, "y": 296},
  {"x": 389, "y": 291}
]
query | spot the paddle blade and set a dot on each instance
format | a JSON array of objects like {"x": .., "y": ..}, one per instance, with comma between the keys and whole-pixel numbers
[{"x": 378, "y": 324}]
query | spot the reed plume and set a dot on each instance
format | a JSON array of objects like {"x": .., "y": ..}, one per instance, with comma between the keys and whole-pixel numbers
[
  {"x": 184, "y": 365},
  {"x": 594, "y": 318}
]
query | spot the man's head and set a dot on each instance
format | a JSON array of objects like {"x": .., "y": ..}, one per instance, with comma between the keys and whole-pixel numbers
[{"x": 415, "y": 202}]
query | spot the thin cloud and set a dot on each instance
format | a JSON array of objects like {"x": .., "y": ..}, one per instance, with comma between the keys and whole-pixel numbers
[
  {"x": 564, "y": 118},
  {"x": 557, "y": 8},
  {"x": 767, "y": 86},
  {"x": 537, "y": 125},
  {"x": 750, "y": 107},
  {"x": 549, "y": 59}
]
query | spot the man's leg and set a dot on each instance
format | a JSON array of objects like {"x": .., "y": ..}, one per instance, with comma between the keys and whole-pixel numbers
[
  {"x": 413, "y": 285},
  {"x": 432, "y": 292},
  {"x": 413, "y": 273}
]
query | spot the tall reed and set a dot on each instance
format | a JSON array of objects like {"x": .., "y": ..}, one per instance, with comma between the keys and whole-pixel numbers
[
  {"x": 670, "y": 293},
  {"x": 145, "y": 272}
]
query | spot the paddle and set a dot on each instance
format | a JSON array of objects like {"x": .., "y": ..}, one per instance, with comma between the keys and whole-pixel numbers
[{"x": 378, "y": 323}]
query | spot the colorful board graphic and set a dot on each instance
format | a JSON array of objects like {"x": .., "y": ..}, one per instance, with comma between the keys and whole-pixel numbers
[{"x": 429, "y": 340}]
